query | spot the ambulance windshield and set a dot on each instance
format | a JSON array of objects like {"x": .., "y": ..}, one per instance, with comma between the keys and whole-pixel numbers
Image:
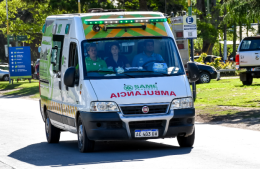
[{"x": 130, "y": 58}]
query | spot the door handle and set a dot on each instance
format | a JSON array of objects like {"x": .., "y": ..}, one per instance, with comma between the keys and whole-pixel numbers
[{"x": 60, "y": 85}]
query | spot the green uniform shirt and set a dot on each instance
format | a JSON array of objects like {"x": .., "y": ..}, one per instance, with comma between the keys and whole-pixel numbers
[{"x": 94, "y": 65}]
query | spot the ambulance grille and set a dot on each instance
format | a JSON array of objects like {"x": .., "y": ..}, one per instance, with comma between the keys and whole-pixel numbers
[
  {"x": 154, "y": 109},
  {"x": 176, "y": 122},
  {"x": 146, "y": 124}
]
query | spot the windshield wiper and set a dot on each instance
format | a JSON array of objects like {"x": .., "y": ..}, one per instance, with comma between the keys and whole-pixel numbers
[
  {"x": 148, "y": 71},
  {"x": 137, "y": 71},
  {"x": 102, "y": 71},
  {"x": 111, "y": 72}
]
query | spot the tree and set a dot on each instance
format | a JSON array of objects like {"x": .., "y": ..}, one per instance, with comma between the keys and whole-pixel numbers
[
  {"x": 208, "y": 24},
  {"x": 238, "y": 14},
  {"x": 25, "y": 18},
  {"x": 249, "y": 8},
  {"x": 154, "y": 5},
  {"x": 143, "y": 5}
]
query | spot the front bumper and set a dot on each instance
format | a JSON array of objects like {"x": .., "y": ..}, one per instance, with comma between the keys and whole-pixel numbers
[
  {"x": 215, "y": 75},
  {"x": 116, "y": 126}
]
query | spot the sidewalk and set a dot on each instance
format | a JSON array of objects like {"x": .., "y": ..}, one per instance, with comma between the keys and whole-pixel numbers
[{"x": 229, "y": 77}]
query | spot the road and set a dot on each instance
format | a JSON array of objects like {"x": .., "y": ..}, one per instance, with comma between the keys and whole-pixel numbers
[{"x": 23, "y": 146}]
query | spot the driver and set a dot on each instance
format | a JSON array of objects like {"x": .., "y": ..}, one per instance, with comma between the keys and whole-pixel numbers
[
  {"x": 93, "y": 62},
  {"x": 146, "y": 56}
]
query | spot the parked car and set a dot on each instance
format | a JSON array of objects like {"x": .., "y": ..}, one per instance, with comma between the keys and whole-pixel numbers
[
  {"x": 207, "y": 73},
  {"x": 208, "y": 59},
  {"x": 4, "y": 75},
  {"x": 4, "y": 67},
  {"x": 247, "y": 57},
  {"x": 36, "y": 67}
]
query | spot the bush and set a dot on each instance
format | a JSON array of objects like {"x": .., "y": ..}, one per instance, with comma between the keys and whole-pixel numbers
[
  {"x": 228, "y": 65},
  {"x": 216, "y": 63},
  {"x": 201, "y": 58}
]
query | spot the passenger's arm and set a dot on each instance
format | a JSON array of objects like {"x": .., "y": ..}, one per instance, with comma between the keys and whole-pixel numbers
[
  {"x": 104, "y": 65},
  {"x": 160, "y": 58},
  {"x": 134, "y": 63},
  {"x": 126, "y": 62}
]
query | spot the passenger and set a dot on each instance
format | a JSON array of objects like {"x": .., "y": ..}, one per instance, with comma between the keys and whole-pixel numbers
[
  {"x": 255, "y": 46},
  {"x": 116, "y": 60},
  {"x": 148, "y": 55},
  {"x": 94, "y": 63}
]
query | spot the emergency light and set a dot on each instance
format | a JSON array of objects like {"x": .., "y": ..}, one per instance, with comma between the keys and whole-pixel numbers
[{"x": 124, "y": 21}]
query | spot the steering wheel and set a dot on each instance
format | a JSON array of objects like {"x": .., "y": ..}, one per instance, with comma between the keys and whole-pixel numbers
[{"x": 150, "y": 61}]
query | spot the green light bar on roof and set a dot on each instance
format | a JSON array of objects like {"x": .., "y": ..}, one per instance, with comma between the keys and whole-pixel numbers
[{"x": 125, "y": 21}]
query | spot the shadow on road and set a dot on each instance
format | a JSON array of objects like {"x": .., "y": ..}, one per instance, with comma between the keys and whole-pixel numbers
[
  {"x": 66, "y": 153},
  {"x": 247, "y": 118},
  {"x": 21, "y": 92}
]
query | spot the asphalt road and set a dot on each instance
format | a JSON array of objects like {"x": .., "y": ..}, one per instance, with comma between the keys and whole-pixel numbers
[{"x": 23, "y": 145}]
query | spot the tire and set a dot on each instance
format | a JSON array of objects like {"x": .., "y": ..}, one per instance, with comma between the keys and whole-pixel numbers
[
  {"x": 249, "y": 80},
  {"x": 52, "y": 132},
  {"x": 204, "y": 77},
  {"x": 84, "y": 144},
  {"x": 186, "y": 141},
  {"x": 6, "y": 78}
]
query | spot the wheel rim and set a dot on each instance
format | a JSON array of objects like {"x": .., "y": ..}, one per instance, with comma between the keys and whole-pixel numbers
[
  {"x": 204, "y": 78},
  {"x": 47, "y": 124},
  {"x": 6, "y": 78},
  {"x": 80, "y": 137}
]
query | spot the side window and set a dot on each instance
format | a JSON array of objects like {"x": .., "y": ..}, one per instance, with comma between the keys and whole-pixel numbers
[
  {"x": 73, "y": 59},
  {"x": 56, "y": 55},
  {"x": 73, "y": 55}
]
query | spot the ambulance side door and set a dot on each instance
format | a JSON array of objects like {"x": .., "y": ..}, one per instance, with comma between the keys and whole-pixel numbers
[
  {"x": 71, "y": 94},
  {"x": 55, "y": 75}
]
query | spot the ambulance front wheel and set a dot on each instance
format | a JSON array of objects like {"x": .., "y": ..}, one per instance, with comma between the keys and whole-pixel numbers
[
  {"x": 186, "y": 141},
  {"x": 52, "y": 132},
  {"x": 84, "y": 144}
]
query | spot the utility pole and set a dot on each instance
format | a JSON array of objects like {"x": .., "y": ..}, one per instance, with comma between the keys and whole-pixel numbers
[
  {"x": 191, "y": 40},
  {"x": 208, "y": 10},
  {"x": 79, "y": 9},
  {"x": 7, "y": 31},
  {"x": 225, "y": 38},
  {"x": 165, "y": 6},
  {"x": 191, "y": 51},
  {"x": 258, "y": 32}
]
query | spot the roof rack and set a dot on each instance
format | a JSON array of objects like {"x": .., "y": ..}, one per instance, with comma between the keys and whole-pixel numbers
[{"x": 98, "y": 10}]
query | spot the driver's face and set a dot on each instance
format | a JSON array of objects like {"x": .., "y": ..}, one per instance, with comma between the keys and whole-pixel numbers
[
  {"x": 149, "y": 47},
  {"x": 92, "y": 52}
]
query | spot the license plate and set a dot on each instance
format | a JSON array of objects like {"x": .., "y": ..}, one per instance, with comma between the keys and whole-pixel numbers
[{"x": 147, "y": 133}]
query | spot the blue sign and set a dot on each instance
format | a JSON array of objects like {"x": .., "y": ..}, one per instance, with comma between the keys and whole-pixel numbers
[
  {"x": 20, "y": 62},
  {"x": 189, "y": 20}
]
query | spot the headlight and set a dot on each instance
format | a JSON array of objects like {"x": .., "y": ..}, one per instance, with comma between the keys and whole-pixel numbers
[
  {"x": 182, "y": 103},
  {"x": 103, "y": 107}
]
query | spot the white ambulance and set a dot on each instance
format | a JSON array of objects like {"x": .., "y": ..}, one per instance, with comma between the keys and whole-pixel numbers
[{"x": 114, "y": 76}]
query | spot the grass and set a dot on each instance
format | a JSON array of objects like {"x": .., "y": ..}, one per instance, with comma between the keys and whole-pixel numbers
[
  {"x": 22, "y": 88},
  {"x": 227, "y": 92}
]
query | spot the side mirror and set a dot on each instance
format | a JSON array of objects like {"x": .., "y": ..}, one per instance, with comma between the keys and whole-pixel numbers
[
  {"x": 54, "y": 52},
  {"x": 69, "y": 77},
  {"x": 193, "y": 72}
]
